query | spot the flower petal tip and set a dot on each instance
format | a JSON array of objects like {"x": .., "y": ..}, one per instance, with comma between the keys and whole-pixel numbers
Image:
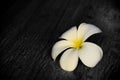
[
  {"x": 69, "y": 60},
  {"x": 53, "y": 59}
]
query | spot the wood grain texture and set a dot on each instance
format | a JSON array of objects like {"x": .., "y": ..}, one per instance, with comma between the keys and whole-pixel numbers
[{"x": 31, "y": 27}]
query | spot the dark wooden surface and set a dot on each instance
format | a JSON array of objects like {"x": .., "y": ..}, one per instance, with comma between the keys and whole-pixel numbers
[{"x": 29, "y": 29}]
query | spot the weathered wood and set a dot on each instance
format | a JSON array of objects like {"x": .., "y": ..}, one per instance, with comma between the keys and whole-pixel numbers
[{"x": 30, "y": 28}]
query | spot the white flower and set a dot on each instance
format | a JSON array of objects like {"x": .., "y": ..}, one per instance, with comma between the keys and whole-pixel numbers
[{"x": 74, "y": 41}]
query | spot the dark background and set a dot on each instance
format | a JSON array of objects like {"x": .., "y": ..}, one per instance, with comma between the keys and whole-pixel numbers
[{"x": 29, "y": 28}]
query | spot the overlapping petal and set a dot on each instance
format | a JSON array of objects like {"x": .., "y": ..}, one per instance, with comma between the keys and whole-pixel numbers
[
  {"x": 69, "y": 60},
  {"x": 90, "y": 54},
  {"x": 70, "y": 35},
  {"x": 59, "y": 47},
  {"x": 86, "y": 30}
]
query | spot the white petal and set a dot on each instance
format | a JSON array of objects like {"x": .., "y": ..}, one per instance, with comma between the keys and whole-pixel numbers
[
  {"x": 70, "y": 34},
  {"x": 59, "y": 47},
  {"x": 86, "y": 30},
  {"x": 69, "y": 60},
  {"x": 90, "y": 54}
]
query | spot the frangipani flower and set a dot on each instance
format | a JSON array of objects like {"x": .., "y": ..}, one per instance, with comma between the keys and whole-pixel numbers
[{"x": 75, "y": 47}]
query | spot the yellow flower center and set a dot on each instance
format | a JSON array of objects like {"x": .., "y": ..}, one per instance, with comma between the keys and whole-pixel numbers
[{"x": 77, "y": 43}]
